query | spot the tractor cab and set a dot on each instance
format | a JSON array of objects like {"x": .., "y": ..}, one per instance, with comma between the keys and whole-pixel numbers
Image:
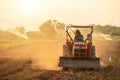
[{"x": 78, "y": 47}]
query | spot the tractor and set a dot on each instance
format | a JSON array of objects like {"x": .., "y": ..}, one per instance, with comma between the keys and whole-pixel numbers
[{"x": 78, "y": 54}]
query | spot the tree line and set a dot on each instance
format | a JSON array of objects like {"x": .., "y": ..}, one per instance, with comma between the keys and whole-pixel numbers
[
  {"x": 54, "y": 28},
  {"x": 108, "y": 29}
]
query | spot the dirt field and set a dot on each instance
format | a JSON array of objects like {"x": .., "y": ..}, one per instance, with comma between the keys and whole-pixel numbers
[{"x": 38, "y": 61}]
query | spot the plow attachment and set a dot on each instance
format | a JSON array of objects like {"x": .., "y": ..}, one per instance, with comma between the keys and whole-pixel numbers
[{"x": 81, "y": 63}]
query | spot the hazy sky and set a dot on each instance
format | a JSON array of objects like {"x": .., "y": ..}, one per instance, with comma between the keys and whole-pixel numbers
[{"x": 32, "y": 13}]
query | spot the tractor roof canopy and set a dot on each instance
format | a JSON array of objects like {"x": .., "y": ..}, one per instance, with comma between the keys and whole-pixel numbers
[{"x": 76, "y": 26}]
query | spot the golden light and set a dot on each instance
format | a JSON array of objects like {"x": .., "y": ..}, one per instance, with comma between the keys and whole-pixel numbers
[{"x": 28, "y": 6}]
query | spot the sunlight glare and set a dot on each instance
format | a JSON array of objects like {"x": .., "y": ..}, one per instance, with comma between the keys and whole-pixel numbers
[{"x": 28, "y": 5}]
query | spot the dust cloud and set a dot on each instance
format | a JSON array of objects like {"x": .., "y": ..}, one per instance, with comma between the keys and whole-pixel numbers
[
  {"x": 19, "y": 34},
  {"x": 43, "y": 54},
  {"x": 108, "y": 51},
  {"x": 107, "y": 37},
  {"x": 47, "y": 56}
]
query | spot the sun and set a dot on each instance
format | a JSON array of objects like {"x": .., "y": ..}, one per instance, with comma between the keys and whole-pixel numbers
[{"x": 28, "y": 6}]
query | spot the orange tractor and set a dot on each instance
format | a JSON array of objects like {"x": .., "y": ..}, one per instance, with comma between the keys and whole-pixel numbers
[{"x": 78, "y": 54}]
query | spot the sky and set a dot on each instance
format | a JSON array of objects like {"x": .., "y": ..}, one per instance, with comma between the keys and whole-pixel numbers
[{"x": 32, "y": 13}]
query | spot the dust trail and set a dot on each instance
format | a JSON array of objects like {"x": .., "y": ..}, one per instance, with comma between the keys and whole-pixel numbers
[
  {"x": 44, "y": 55},
  {"x": 108, "y": 51},
  {"x": 47, "y": 57},
  {"x": 19, "y": 34},
  {"x": 107, "y": 37}
]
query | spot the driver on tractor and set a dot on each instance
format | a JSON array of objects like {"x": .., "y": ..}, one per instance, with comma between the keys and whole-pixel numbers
[{"x": 78, "y": 36}]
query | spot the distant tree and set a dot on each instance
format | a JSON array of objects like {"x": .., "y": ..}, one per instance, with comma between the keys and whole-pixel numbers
[
  {"x": 61, "y": 26},
  {"x": 108, "y": 29},
  {"x": 8, "y": 35},
  {"x": 98, "y": 28},
  {"x": 47, "y": 29},
  {"x": 115, "y": 31},
  {"x": 20, "y": 29},
  {"x": 55, "y": 21}
]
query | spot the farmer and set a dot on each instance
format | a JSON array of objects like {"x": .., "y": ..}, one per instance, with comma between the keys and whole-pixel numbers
[
  {"x": 89, "y": 43},
  {"x": 78, "y": 36}
]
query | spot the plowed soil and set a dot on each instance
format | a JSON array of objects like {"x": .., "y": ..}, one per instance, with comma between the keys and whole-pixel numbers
[{"x": 39, "y": 62}]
